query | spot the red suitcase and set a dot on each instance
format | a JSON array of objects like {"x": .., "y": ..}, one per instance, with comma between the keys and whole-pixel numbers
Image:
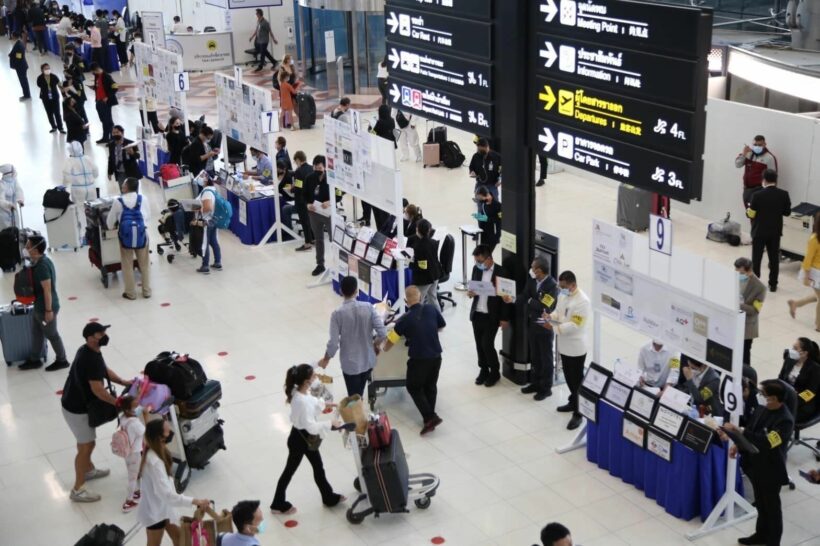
[{"x": 378, "y": 432}]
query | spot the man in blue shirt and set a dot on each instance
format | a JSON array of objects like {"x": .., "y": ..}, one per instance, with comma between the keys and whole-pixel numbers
[
  {"x": 420, "y": 326},
  {"x": 249, "y": 522},
  {"x": 264, "y": 167}
]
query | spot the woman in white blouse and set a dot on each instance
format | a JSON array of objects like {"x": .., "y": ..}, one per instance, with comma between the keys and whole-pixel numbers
[
  {"x": 305, "y": 435},
  {"x": 158, "y": 498}
]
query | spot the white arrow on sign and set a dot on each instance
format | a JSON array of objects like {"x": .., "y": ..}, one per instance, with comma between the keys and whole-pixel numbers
[
  {"x": 548, "y": 54},
  {"x": 550, "y": 9},
  {"x": 547, "y": 139},
  {"x": 394, "y": 57},
  {"x": 396, "y": 93},
  {"x": 393, "y": 22}
]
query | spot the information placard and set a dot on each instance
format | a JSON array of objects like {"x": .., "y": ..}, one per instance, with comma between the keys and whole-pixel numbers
[
  {"x": 477, "y": 9},
  {"x": 588, "y": 405},
  {"x": 642, "y": 404},
  {"x": 617, "y": 393},
  {"x": 468, "y": 114},
  {"x": 458, "y": 36},
  {"x": 634, "y": 430},
  {"x": 659, "y": 444},
  {"x": 596, "y": 378},
  {"x": 668, "y": 420},
  {"x": 462, "y": 76},
  {"x": 696, "y": 436}
]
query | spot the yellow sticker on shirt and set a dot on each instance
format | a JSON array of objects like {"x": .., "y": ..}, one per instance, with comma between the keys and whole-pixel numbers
[
  {"x": 547, "y": 300},
  {"x": 393, "y": 337},
  {"x": 422, "y": 264},
  {"x": 339, "y": 192},
  {"x": 578, "y": 320},
  {"x": 499, "y": 215},
  {"x": 774, "y": 439},
  {"x": 297, "y": 183},
  {"x": 674, "y": 363},
  {"x": 751, "y": 213},
  {"x": 758, "y": 305},
  {"x": 806, "y": 395},
  {"x": 706, "y": 393},
  {"x": 266, "y": 173},
  {"x": 19, "y": 55}
]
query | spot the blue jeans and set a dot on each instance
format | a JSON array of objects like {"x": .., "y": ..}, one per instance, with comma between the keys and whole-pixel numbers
[{"x": 211, "y": 240}]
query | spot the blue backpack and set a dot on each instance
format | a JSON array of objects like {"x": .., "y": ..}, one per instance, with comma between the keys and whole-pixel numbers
[
  {"x": 223, "y": 211},
  {"x": 132, "y": 225}
]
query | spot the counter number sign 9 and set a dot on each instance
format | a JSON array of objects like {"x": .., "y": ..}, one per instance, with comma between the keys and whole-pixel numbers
[{"x": 660, "y": 234}]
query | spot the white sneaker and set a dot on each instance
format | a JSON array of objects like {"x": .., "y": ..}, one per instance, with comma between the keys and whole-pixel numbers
[
  {"x": 96, "y": 474},
  {"x": 84, "y": 495}
]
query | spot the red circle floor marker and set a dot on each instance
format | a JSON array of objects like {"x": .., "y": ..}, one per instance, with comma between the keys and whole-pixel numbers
[
  {"x": 166, "y": 304},
  {"x": 222, "y": 353},
  {"x": 59, "y": 392},
  {"x": 72, "y": 298},
  {"x": 437, "y": 540},
  {"x": 291, "y": 523},
  {"x": 250, "y": 377},
  {"x": 93, "y": 319}
]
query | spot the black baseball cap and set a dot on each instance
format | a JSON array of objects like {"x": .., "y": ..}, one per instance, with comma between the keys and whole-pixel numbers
[{"x": 94, "y": 328}]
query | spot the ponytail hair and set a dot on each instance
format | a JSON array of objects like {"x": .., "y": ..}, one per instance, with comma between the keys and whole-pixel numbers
[
  {"x": 124, "y": 403},
  {"x": 295, "y": 377}
]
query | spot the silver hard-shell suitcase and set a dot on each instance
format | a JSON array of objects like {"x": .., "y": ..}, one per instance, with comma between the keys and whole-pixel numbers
[
  {"x": 16, "y": 322},
  {"x": 193, "y": 429}
]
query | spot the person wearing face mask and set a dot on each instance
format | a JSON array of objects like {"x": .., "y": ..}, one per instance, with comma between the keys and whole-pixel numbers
[
  {"x": 64, "y": 28},
  {"x": 50, "y": 94},
  {"x": 159, "y": 500},
  {"x": 487, "y": 315},
  {"x": 263, "y": 172},
  {"x": 200, "y": 155},
  {"x": 129, "y": 214},
  {"x": 766, "y": 210},
  {"x": 132, "y": 423},
  {"x": 175, "y": 140},
  {"x": 769, "y": 430},
  {"x": 659, "y": 367},
  {"x": 83, "y": 384},
  {"x": 210, "y": 240},
  {"x": 317, "y": 197},
  {"x": 752, "y": 295},
  {"x": 569, "y": 321},
  {"x": 123, "y": 156},
  {"x": 249, "y": 521},
  {"x": 485, "y": 167},
  {"x": 76, "y": 125},
  {"x": 300, "y": 175},
  {"x": 17, "y": 62},
  {"x": 11, "y": 195},
  {"x": 488, "y": 216},
  {"x": 703, "y": 385},
  {"x": 540, "y": 296},
  {"x": 282, "y": 152},
  {"x": 425, "y": 265},
  {"x": 80, "y": 177},
  {"x": 754, "y": 160},
  {"x": 306, "y": 434},
  {"x": 801, "y": 370},
  {"x": 105, "y": 94}
]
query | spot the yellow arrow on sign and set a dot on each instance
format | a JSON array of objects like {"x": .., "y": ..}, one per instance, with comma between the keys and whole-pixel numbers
[{"x": 548, "y": 97}]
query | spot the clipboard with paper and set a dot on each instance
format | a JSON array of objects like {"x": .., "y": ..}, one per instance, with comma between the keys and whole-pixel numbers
[{"x": 481, "y": 288}]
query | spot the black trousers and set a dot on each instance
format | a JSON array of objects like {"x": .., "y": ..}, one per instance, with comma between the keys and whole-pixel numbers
[
  {"x": 541, "y": 357},
  {"x": 382, "y": 84},
  {"x": 772, "y": 247},
  {"x": 574, "y": 374},
  {"x": 542, "y": 165},
  {"x": 484, "y": 332},
  {"x": 263, "y": 53},
  {"x": 422, "y": 380},
  {"x": 297, "y": 448},
  {"x": 22, "y": 76},
  {"x": 122, "y": 52},
  {"x": 99, "y": 55},
  {"x": 747, "y": 351},
  {"x": 104, "y": 111},
  {"x": 304, "y": 219},
  {"x": 769, "y": 525},
  {"x": 356, "y": 383},
  {"x": 53, "y": 112},
  {"x": 40, "y": 40}
]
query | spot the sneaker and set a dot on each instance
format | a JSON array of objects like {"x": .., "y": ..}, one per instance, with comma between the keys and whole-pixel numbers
[
  {"x": 84, "y": 495},
  {"x": 285, "y": 509},
  {"x": 126, "y": 296},
  {"x": 575, "y": 422},
  {"x": 58, "y": 365},
  {"x": 529, "y": 389},
  {"x": 31, "y": 365},
  {"x": 566, "y": 408},
  {"x": 96, "y": 474},
  {"x": 303, "y": 248},
  {"x": 218, "y": 267},
  {"x": 129, "y": 505},
  {"x": 543, "y": 395},
  {"x": 203, "y": 269},
  {"x": 137, "y": 495},
  {"x": 318, "y": 270}
]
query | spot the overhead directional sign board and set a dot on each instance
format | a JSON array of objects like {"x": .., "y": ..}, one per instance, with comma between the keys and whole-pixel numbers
[
  {"x": 463, "y": 76},
  {"x": 476, "y": 9},
  {"x": 455, "y": 110},
  {"x": 619, "y": 89},
  {"x": 457, "y": 36}
]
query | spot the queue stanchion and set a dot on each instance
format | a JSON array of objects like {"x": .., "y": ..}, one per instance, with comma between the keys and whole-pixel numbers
[{"x": 474, "y": 233}]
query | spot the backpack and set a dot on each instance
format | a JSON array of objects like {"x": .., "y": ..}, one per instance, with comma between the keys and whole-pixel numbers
[
  {"x": 451, "y": 155},
  {"x": 723, "y": 231},
  {"x": 223, "y": 211},
  {"x": 181, "y": 373},
  {"x": 120, "y": 443},
  {"x": 401, "y": 120},
  {"x": 56, "y": 198},
  {"x": 24, "y": 285},
  {"x": 169, "y": 171},
  {"x": 103, "y": 535},
  {"x": 132, "y": 225}
]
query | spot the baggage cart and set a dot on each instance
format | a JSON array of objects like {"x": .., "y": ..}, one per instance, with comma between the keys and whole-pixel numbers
[
  {"x": 391, "y": 366},
  {"x": 106, "y": 257}
]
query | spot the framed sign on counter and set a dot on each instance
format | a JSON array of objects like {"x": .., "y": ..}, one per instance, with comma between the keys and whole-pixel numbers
[
  {"x": 696, "y": 436},
  {"x": 588, "y": 405},
  {"x": 642, "y": 404},
  {"x": 634, "y": 430},
  {"x": 596, "y": 378},
  {"x": 659, "y": 444},
  {"x": 617, "y": 393},
  {"x": 668, "y": 420}
]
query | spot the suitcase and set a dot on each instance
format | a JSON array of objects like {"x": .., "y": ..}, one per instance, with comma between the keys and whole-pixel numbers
[
  {"x": 437, "y": 135},
  {"x": 432, "y": 154},
  {"x": 194, "y": 429},
  {"x": 386, "y": 476},
  {"x": 196, "y": 235},
  {"x": 634, "y": 205},
  {"x": 661, "y": 205},
  {"x": 103, "y": 535},
  {"x": 63, "y": 227},
  {"x": 201, "y": 399},
  {"x": 307, "y": 110},
  {"x": 10, "y": 255},
  {"x": 378, "y": 431},
  {"x": 16, "y": 322},
  {"x": 200, "y": 452}
]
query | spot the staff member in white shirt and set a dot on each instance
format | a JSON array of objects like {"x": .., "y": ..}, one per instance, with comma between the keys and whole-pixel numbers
[
  {"x": 306, "y": 435},
  {"x": 569, "y": 321},
  {"x": 158, "y": 497},
  {"x": 659, "y": 366}
]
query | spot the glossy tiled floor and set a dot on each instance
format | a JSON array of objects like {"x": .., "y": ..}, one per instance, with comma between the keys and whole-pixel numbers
[{"x": 501, "y": 478}]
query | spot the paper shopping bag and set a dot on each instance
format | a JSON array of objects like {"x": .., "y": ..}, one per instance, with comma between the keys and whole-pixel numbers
[{"x": 351, "y": 410}]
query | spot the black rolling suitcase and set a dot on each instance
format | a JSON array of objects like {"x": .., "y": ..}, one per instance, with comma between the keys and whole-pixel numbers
[
  {"x": 437, "y": 135},
  {"x": 634, "y": 206},
  {"x": 10, "y": 255},
  {"x": 307, "y": 110},
  {"x": 386, "y": 476},
  {"x": 201, "y": 399},
  {"x": 198, "y": 453}
]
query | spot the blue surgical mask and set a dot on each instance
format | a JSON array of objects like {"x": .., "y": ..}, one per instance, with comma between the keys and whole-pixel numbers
[
  {"x": 260, "y": 529},
  {"x": 138, "y": 411},
  {"x": 564, "y": 292},
  {"x": 481, "y": 267},
  {"x": 757, "y": 150},
  {"x": 743, "y": 277}
]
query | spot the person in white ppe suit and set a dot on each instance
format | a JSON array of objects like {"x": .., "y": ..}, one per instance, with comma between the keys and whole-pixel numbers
[
  {"x": 80, "y": 177},
  {"x": 11, "y": 194}
]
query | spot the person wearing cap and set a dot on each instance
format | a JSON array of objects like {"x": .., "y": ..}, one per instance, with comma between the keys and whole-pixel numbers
[
  {"x": 11, "y": 195},
  {"x": 264, "y": 168},
  {"x": 46, "y": 307},
  {"x": 84, "y": 383},
  {"x": 659, "y": 367}
]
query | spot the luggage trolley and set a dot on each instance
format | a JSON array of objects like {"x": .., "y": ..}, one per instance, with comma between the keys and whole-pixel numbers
[
  {"x": 421, "y": 488},
  {"x": 182, "y": 472},
  {"x": 391, "y": 367}
]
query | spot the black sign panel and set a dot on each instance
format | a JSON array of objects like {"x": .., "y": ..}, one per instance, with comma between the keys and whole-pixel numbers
[
  {"x": 632, "y": 73},
  {"x": 456, "y": 36},
  {"x": 642, "y": 123},
  {"x": 668, "y": 29},
  {"x": 476, "y": 9},
  {"x": 652, "y": 171},
  {"x": 454, "y": 110},
  {"x": 462, "y": 76}
]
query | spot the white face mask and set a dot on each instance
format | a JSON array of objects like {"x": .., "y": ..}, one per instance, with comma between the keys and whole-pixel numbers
[
  {"x": 757, "y": 150},
  {"x": 47, "y": 72},
  {"x": 138, "y": 40},
  {"x": 794, "y": 354},
  {"x": 316, "y": 383},
  {"x": 26, "y": 253},
  {"x": 761, "y": 399},
  {"x": 532, "y": 273}
]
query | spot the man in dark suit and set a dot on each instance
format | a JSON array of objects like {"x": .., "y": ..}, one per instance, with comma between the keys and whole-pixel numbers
[
  {"x": 488, "y": 216},
  {"x": 703, "y": 384},
  {"x": 766, "y": 210},
  {"x": 487, "y": 313},
  {"x": 539, "y": 296},
  {"x": 17, "y": 61},
  {"x": 769, "y": 430},
  {"x": 122, "y": 156}
]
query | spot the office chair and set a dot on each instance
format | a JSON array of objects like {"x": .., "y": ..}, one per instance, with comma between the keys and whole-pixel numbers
[
  {"x": 790, "y": 401},
  {"x": 235, "y": 153},
  {"x": 447, "y": 251},
  {"x": 209, "y": 29}
]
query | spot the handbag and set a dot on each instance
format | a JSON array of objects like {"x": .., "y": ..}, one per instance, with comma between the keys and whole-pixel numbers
[
  {"x": 313, "y": 441},
  {"x": 197, "y": 531},
  {"x": 378, "y": 431},
  {"x": 101, "y": 412}
]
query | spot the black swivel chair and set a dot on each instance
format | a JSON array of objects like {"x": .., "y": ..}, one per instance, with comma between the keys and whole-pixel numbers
[
  {"x": 209, "y": 29},
  {"x": 236, "y": 153},
  {"x": 447, "y": 251},
  {"x": 790, "y": 401}
]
